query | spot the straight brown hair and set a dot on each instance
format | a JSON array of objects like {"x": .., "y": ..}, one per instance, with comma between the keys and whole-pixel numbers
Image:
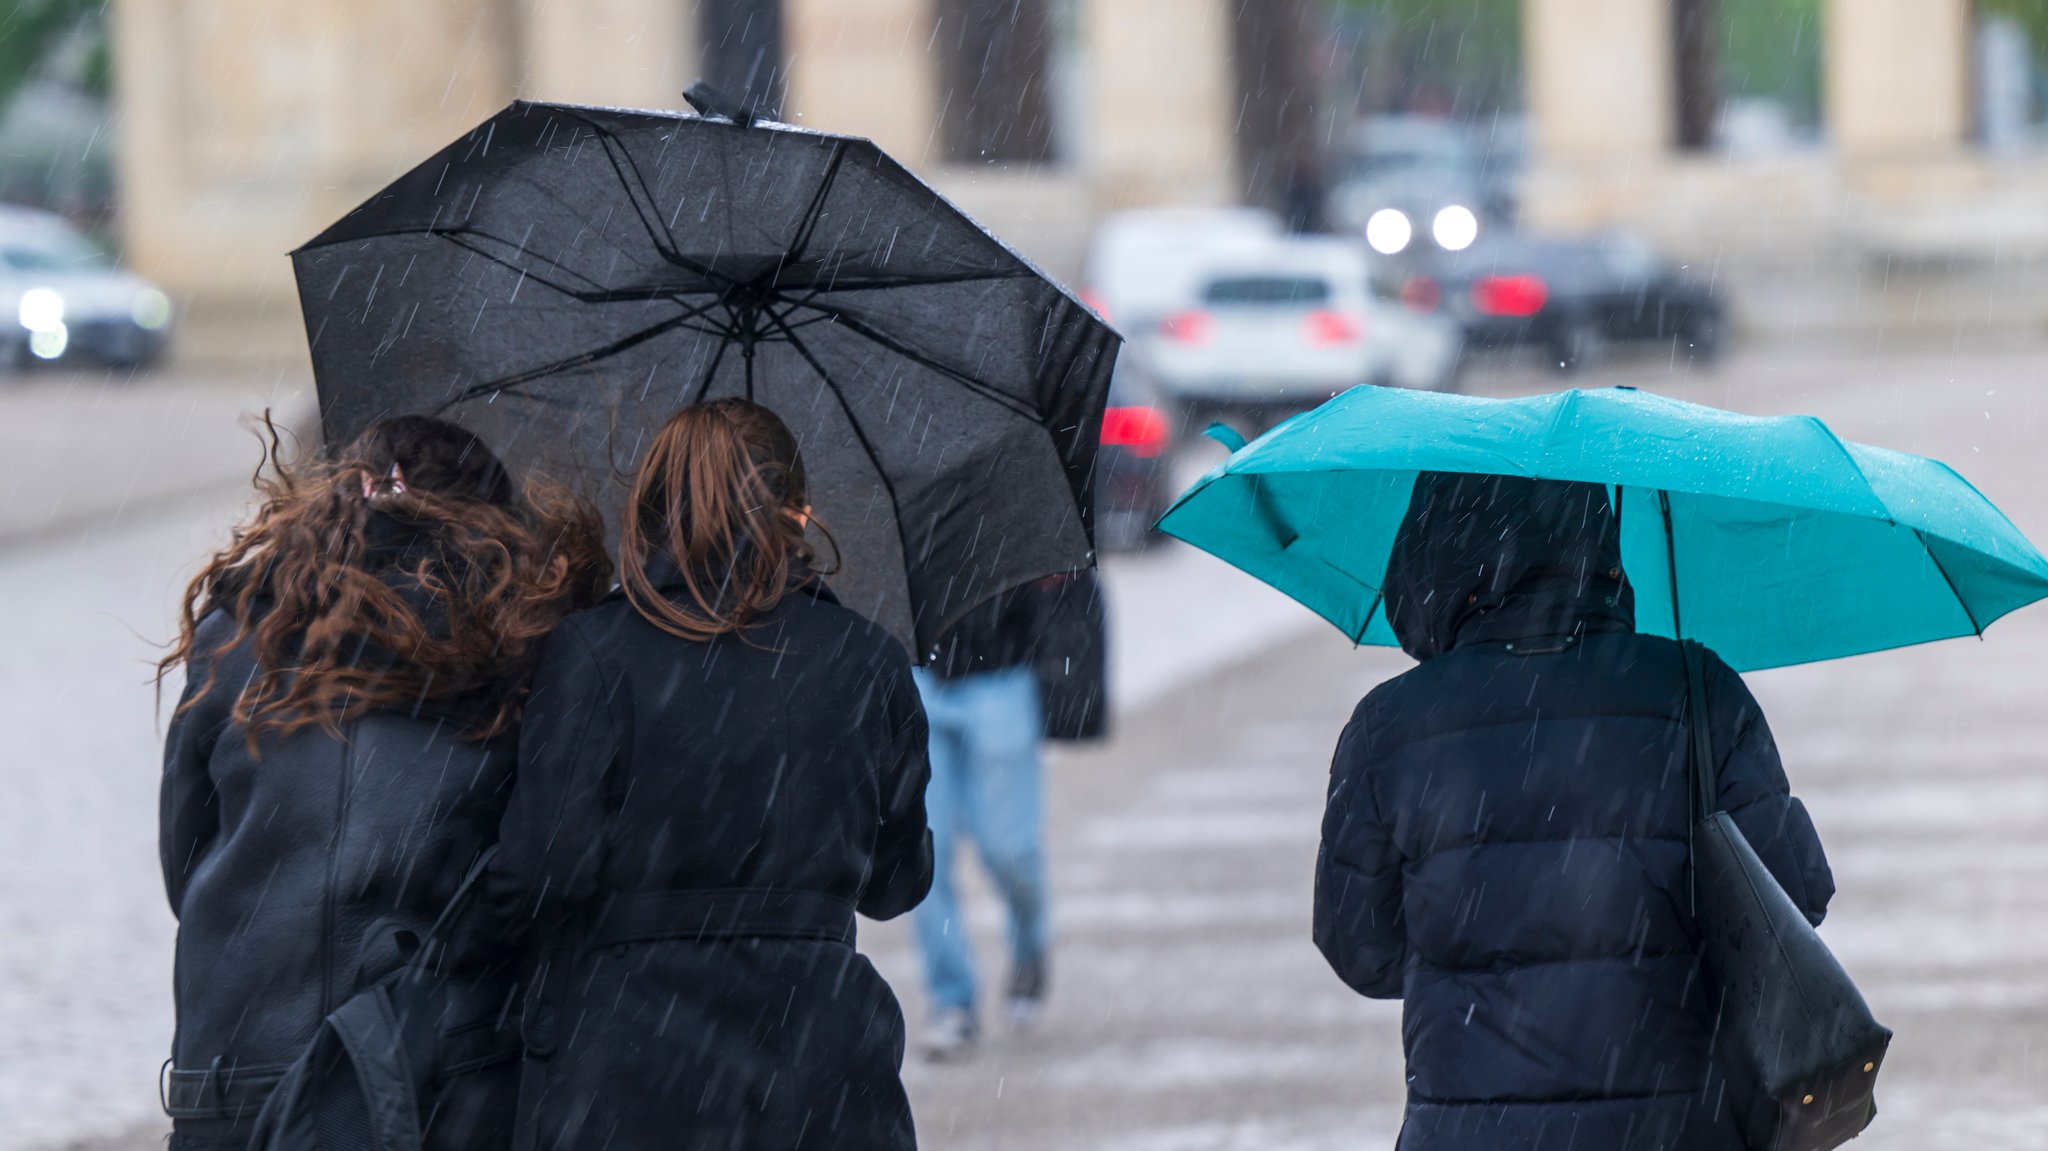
[{"x": 721, "y": 498}]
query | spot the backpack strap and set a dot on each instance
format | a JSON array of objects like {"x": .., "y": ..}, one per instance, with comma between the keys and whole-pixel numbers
[
  {"x": 352, "y": 1087},
  {"x": 369, "y": 1028},
  {"x": 439, "y": 935}
]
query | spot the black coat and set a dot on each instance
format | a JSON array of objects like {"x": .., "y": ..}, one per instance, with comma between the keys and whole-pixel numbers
[
  {"x": 1506, "y": 839},
  {"x": 693, "y": 827},
  {"x": 1057, "y": 625},
  {"x": 295, "y": 876}
]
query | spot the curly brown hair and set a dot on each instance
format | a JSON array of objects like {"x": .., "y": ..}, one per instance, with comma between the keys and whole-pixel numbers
[
  {"x": 344, "y": 624},
  {"x": 721, "y": 505}
]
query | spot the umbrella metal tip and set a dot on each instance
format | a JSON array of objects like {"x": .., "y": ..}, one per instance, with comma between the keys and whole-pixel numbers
[{"x": 709, "y": 101}]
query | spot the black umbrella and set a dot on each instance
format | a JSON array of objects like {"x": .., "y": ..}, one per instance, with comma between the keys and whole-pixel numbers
[{"x": 563, "y": 278}]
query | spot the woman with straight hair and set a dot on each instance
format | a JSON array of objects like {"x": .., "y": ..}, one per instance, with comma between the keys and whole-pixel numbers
[
  {"x": 355, "y": 662},
  {"x": 720, "y": 765}
]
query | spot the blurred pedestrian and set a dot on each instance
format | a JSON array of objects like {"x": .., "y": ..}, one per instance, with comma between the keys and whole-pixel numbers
[
  {"x": 719, "y": 766},
  {"x": 1023, "y": 667},
  {"x": 1506, "y": 843},
  {"x": 355, "y": 662}
]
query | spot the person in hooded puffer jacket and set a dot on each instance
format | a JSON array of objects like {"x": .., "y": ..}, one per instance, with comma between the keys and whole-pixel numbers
[{"x": 1505, "y": 845}]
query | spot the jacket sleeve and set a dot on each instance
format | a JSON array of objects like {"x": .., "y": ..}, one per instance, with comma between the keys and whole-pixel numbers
[
  {"x": 188, "y": 812},
  {"x": 550, "y": 851},
  {"x": 900, "y": 873},
  {"x": 1359, "y": 926},
  {"x": 1756, "y": 794}
]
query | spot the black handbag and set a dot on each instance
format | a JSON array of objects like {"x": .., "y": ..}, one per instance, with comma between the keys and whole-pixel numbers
[
  {"x": 1070, "y": 656},
  {"x": 1793, "y": 1037}
]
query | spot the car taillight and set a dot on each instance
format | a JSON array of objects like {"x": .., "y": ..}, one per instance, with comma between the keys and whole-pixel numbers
[
  {"x": 1422, "y": 294},
  {"x": 1093, "y": 299},
  {"x": 1142, "y": 430},
  {"x": 1326, "y": 328},
  {"x": 1510, "y": 295},
  {"x": 1189, "y": 327}
]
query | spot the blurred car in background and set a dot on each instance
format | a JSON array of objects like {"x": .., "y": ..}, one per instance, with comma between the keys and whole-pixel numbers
[
  {"x": 1572, "y": 297},
  {"x": 1288, "y": 325},
  {"x": 1133, "y": 468},
  {"x": 62, "y": 298},
  {"x": 1145, "y": 265},
  {"x": 1416, "y": 182}
]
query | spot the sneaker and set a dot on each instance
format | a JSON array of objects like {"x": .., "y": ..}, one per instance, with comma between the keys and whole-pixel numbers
[
  {"x": 949, "y": 1036},
  {"x": 1028, "y": 984}
]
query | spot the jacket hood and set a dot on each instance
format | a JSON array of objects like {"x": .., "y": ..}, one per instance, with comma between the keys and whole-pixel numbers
[{"x": 1482, "y": 557}]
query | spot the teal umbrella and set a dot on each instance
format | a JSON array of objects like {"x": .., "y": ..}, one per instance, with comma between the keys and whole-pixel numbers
[{"x": 1770, "y": 540}]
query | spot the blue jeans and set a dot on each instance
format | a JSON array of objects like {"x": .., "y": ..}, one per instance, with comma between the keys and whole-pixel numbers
[{"x": 988, "y": 785}]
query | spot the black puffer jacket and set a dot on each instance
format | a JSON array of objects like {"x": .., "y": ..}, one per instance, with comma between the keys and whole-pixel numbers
[
  {"x": 1505, "y": 843},
  {"x": 295, "y": 876},
  {"x": 694, "y": 827}
]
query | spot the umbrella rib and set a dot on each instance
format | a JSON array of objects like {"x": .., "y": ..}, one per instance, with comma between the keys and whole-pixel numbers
[
  {"x": 504, "y": 383},
  {"x": 861, "y": 328},
  {"x": 460, "y": 238},
  {"x": 1378, "y": 598},
  {"x": 610, "y": 295},
  {"x": 1950, "y": 581},
  {"x": 816, "y": 209},
  {"x": 710, "y": 371},
  {"x": 649, "y": 219},
  {"x": 1671, "y": 561},
  {"x": 881, "y": 283},
  {"x": 860, "y": 434}
]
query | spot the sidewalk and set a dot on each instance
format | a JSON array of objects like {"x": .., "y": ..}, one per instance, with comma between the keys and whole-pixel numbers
[
  {"x": 90, "y": 450},
  {"x": 1192, "y": 1013}
]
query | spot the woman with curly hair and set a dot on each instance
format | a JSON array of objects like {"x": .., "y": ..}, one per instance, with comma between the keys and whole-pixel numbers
[{"x": 356, "y": 661}]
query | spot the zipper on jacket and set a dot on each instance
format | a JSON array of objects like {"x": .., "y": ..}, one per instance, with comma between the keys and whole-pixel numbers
[{"x": 327, "y": 890}]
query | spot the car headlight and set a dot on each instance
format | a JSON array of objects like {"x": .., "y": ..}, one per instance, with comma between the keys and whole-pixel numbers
[
  {"x": 42, "y": 310},
  {"x": 1388, "y": 231},
  {"x": 1455, "y": 228},
  {"x": 151, "y": 310},
  {"x": 49, "y": 343}
]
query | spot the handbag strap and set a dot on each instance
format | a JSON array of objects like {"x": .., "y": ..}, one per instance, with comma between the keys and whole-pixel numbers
[{"x": 1704, "y": 795}]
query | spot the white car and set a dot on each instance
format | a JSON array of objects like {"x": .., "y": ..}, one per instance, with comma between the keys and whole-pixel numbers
[
  {"x": 1291, "y": 326},
  {"x": 62, "y": 298},
  {"x": 1146, "y": 264}
]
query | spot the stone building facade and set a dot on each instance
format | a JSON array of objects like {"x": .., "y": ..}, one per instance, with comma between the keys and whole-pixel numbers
[{"x": 247, "y": 125}]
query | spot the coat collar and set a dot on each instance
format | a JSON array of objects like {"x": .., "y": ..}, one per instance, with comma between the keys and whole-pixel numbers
[{"x": 667, "y": 578}]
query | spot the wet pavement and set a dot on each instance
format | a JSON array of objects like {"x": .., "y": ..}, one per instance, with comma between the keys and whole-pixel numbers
[{"x": 1189, "y": 1009}]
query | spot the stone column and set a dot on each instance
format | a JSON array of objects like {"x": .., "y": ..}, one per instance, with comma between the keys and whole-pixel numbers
[
  {"x": 866, "y": 67},
  {"x": 635, "y": 53},
  {"x": 1898, "y": 76},
  {"x": 1600, "y": 78},
  {"x": 1164, "y": 116},
  {"x": 248, "y": 125}
]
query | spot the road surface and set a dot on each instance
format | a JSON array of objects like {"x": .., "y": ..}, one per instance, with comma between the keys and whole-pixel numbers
[{"x": 1190, "y": 1011}]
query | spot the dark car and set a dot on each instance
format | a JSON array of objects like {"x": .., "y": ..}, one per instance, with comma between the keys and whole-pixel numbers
[
  {"x": 1132, "y": 471},
  {"x": 1571, "y": 298}
]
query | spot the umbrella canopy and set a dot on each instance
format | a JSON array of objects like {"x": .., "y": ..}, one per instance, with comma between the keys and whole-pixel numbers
[
  {"x": 1769, "y": 539},
  {"x": 562, "y": 279}
]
